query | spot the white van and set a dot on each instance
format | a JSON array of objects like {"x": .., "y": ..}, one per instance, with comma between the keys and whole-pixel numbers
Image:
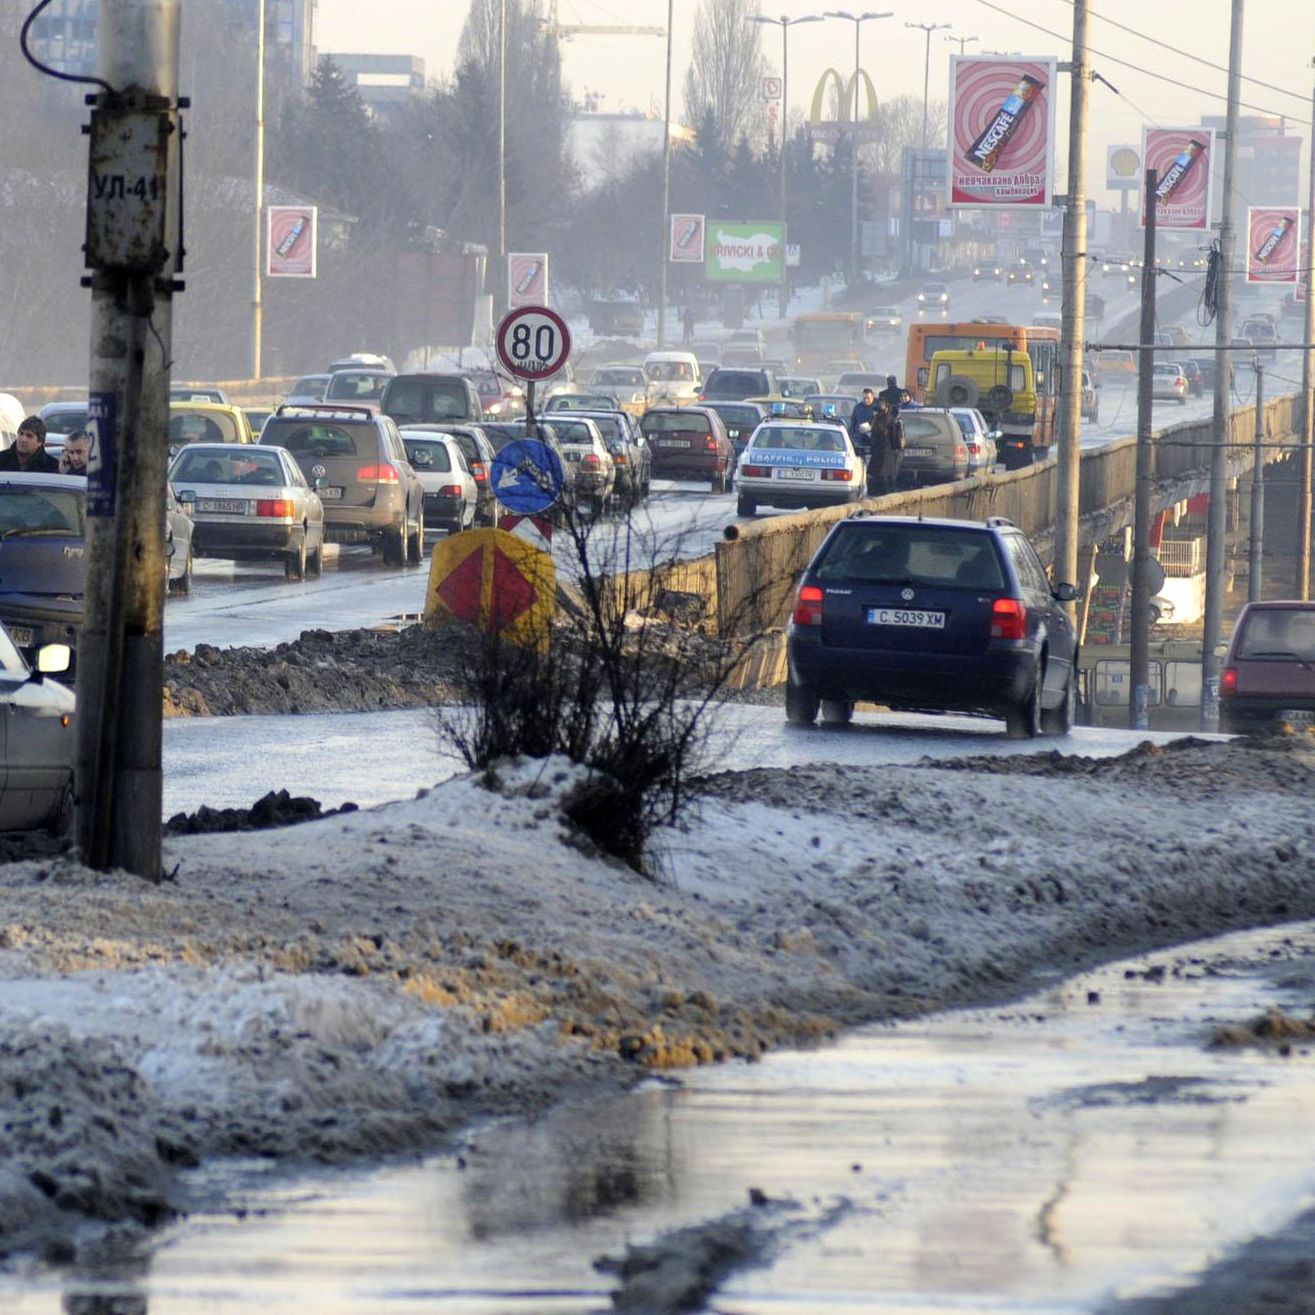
[
  {"x": 11, "y": 416},
  {"x": 672, "y": 377}
]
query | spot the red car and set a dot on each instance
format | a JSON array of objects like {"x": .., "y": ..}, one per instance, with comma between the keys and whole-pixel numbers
[
  {"x": 689, "y": 442},
  {"x": 1269, "y": 673}
]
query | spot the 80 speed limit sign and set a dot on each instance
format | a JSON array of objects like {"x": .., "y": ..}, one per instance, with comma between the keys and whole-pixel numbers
[{"x": 533, "y": 342}]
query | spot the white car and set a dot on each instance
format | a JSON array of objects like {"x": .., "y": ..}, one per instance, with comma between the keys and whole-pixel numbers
[
  {"x": 672, "y": 377},
  {"x": 624, "y": 384},
  {"x": 933, "y": 296},
  {"x": 979, "y": 437},
  {"x": 884, "y": 319},
  {"x": 594, "y": 471},
  {"x": 451, "y": 494},
  {"x": 799, "y": 464},
  {"x": 1169, "y": 383}
]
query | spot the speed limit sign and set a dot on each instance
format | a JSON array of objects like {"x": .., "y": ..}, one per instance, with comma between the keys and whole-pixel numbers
[{"x": 533, "y": 342}]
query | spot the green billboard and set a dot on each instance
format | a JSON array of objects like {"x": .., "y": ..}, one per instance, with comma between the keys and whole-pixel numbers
[{"x": 745, "y": 253}]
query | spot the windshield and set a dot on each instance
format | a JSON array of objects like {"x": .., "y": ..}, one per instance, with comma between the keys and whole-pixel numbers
[
  {"x": 446, "y": 398},
  {"x": 31, "y": 512},
  {"x": 310, "y": 385},
  {"x": 66, "y": 422},
  {"x": 572, "y": 431},
  {"x": 428, "y": 454},
  {"x": 356, "y": 386},
  {"x": 827, "y": 335},
  {"x": 618, "y": 379},
  {"x": 799, "y": 438},
  {"x": 1282, "y": 632},
  {"x": 740, "y": 415},
  {"x": 915, "y": 555},
  {"x": 322, "y": 440},
  {"x": 198, "y": 427},
  {"x": 668, "y": 371}
]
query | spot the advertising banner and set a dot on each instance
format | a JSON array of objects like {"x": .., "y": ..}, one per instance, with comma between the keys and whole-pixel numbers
[
  {"x": 1002, "y": 132},
  {"x": 527, "y": 278},
  {"x": 290, "y": 241},
  {"x": 687, "y": 232},
  {"x": 1273, "y": 243},
  {"x": 1183, "y": 158},
  {"x": 1123, "y": 172},
  {"x": 746, "y": 253}
]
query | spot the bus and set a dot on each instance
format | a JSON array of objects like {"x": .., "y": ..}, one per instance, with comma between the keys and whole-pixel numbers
[
  {"x": 1041, "y": 344},
  {"x": 828, "y": 336}
]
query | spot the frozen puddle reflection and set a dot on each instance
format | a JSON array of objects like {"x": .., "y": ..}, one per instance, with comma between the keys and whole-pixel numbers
[{"x": 1042, "y": 1157}]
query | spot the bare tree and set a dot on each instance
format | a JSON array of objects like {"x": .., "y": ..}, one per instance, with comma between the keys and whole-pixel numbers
[{"x": 721, "y": 83}]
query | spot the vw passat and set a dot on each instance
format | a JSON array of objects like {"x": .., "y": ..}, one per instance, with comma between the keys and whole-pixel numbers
[
  {"x": 931, "y": 616},
  {"x": 798, "y": 464}
]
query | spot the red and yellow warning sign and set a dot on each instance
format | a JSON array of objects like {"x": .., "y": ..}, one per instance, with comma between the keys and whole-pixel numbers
[{"x": 495, "y": 581}]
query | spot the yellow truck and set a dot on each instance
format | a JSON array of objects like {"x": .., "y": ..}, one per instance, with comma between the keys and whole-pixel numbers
[{"x": 1000, "y": 383}]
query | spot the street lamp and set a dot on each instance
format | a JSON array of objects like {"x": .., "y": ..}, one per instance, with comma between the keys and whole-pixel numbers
[
  {"x": 961, "y": 42},
  {"x": 666, "y": 189},
  {"x": 785, "y": 24},
  {"x": 927, "y": 28},
  {"x": 858, "y": 20}
]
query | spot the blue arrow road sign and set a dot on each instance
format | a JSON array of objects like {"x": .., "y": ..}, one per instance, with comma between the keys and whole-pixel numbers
[{"x": 527, "y": 476}]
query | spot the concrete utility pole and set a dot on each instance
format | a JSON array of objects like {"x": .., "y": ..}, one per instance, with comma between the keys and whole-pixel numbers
[
  {"x": 1073, "y": 312},
  {"x": 1307, "y": 400},
  {"x": 501, "y": 281},
  {"x": 665, "y": 235},
  {"x": 1256, "y": 550},
  {"x": 1217, "y": 523},
  {"x": 134, "y": 250},
  {"x": 257, "y": 300},
  {"x": 1139, "y": 657}
]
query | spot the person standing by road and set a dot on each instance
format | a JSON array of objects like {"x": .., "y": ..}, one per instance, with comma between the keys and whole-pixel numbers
[
  {"x": 29, "y": 452},
  {"x": 687, "y": 321},
  {"x": 862, "y": 420},
  {"x": 73, "y": 460},
  {"x": 894, "y": 394}
]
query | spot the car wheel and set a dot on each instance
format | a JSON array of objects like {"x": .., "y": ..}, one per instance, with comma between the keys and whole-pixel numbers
[
  {"x": 836, "y": 712},
  {"x": 395, "y": 546},
  {"x": 183, "y": 583},
  {"x": 1059, "y": 721},
  {"x": 745, "y": 506},
  {"x": 60, "y": 822},
  {"x": 1023, "y": 720},
  {"x": 801, "y": 703},
  {"x": 294, "y": 564},
  {"x": 415, "y": 544},
  {"x": 315, "y": 560}
]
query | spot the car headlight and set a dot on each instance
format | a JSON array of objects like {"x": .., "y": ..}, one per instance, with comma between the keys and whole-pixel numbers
[{"x": 922, "y": 296}]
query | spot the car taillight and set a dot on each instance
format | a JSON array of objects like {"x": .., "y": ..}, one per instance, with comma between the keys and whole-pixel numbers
[
  {"x": 275, "y": 507},
  {"x": 1228, "y": 681},
  {"x": 757, "y": 472},
  {"x": 843, "y": 475},
  {"x": 589, "y": 461},
  {"x": 1008, "y": 619},
  {"x": 381, "y": 474},
  {"x": 450, "y": 491},
  {"x": 618, "y": 458},
  {"x": 709, "y": 442},
  {"x": 808, "y": 606},
  {"x": 961, "y": 453}
]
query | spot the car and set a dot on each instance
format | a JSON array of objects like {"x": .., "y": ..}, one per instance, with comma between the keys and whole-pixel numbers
[
  {"x": 631, "y": 455},
  {"x": 740, "y": 419},
  {"x": 743, "y": 356},
  {"x": 418, "y": 399},
  {"x": 43, "y": 529},
  {"x": 672, "y": 376},
  {"x": 855, "y": 381},
  {"x": 1261, "y": 333},
  {"x": 250, "y": 504},
  {"x": 450, "y": 492},
  {"x": 1177, "y": 335},
  {"x": 1118, "y": 366},
  {"x": 363, "y": 361},
  {"x": 690, "y": 442},
  {"x": 39, "y": 745},
  {"x": 177, "y": 545},
  {"x": 594, "y": 471},
  {"x": 497, "y": 396},
  {"x": 624, "y": 384},
  {"x": 797, "y": 385},
  {"x": 256, "y": 416},
  {"x": 197, "y": 393},
  {"x": 727, "y": 384},
  {"x": 308, "y": 389},
  {"x": 355, "y": 461},
  {"x": 1195, "y": 379},
  {"x": 207, "y": 422},
  {"x": 1207, "y": 365},
  {"x": 799, "y": 464},
  {"x": 784, "y": 408},
  {"x": 578, "y": 402},
  {"x": 1169, "y": 383},
  {"x": 706, "y": 351},
  {"x": 748, "y": 338},
  {"x": 979, "y": 437},
  {"x": 884, "y": 319},
  {"x": 1090, "y": 405},
  {"x": 1020, "y": 275},
  {"x": 63, "y": 418},
  {"x": 931, "y": 616},
  {"x": 479, "y": 451},
  {"x": 986, "y": 273},
  {"x": 1268, "y": 674},
  {"x": 1115, "y": 266},
  {"x": 935, "y": 451},
  {"x": 933, "y": 296},
  {"x": 357, "y": 387}
]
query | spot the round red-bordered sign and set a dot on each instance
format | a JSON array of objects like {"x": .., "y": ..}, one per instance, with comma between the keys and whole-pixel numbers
[{"x": 533, "y": 342}]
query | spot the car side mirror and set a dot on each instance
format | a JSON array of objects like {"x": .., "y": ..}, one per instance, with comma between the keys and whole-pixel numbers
[
  {"x": 1065, "y": 593},
  {"x": 52, "y": 659}
]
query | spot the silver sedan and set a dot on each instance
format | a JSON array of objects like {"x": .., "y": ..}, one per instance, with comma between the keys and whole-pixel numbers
[{"x": 250, "y": 503}]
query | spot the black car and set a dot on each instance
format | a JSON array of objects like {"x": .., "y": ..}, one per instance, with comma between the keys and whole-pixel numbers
[
  {"x": 631, "y": 455},
  {"x": 1195, "y": 380},
  {"x": 501, "y": 433},
  {"x": 726, "y": 384},
  {"x": 418, "y": 399},
  {"x": 741, "y": 419},
  {"x": 931, "y": 616}
]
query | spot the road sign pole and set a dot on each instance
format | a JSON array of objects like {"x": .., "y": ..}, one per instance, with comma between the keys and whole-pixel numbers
[{"x": 529, "y": 409}]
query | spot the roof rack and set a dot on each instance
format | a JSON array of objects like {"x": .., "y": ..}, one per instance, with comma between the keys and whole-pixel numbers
[
  {"x": 324, "y": 409},
  {"x": 1002, "y": 522}
]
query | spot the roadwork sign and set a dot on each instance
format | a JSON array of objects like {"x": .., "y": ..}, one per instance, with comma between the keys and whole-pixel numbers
[
  {"x": 527, "y": 476},
  {"x": 494, "y": 581}
]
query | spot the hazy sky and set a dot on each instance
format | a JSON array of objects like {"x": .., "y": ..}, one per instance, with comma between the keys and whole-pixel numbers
[{"x": 628, "y": 71}]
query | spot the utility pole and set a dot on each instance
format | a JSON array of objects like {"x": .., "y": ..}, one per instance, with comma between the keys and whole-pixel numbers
[
  {"x": 1307, "y": 399},
  {"x": 1139, "y": 657},
  {"x": 665, "y": 236},
  {"x": 501, "y": 282},
  {"x": 134, "y": 249},
  {"x": 257, "y": 301},
  {"x": 1074, "y": 311},
  {"x": 927, "y": 29},
  {"x": 1217, "y": 523},
  {"x": 1256, "y": 551}
]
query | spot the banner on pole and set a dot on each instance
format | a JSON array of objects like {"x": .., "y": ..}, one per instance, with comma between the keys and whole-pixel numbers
[
  {"x": 1183, "y": 159},
  {"x": 687, "y": 232},
  {"x": 1002, "y": 132},
  {"x": 1273, "y": 243},
  {"x": 527, "y": 278},
  {"x": 290, "y": 241}
]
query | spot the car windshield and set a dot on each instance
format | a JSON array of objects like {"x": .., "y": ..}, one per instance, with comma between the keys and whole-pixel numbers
[
  {"x": 428, "y": 454},
  {"x": 310, "y": 385},
  {"x": 245, "y": 465},
  {"x": 198, "y": 427},
  {"x": 618, "y": 378},
  {"x": 740, "y": 415},
  {"x": 355, "y": 386},
  {"x": 66, "y": 422},
  {"x": 572, "y": 431},
  {"x": 320, "y": 440},
  {"x": 915, "y": 554},
  {"x": 1279, "y": 633},
  {"x": 10, "y": 662},
  {"x": 29, "y": 512},
  {"x": 668, "y": 371},
  {"x": 801, "y": 438},
  {"x": 447, "y": 399},
  {"x": 674, "y": 422}
]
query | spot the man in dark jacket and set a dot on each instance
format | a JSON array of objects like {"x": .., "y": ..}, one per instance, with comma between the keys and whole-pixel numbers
[
  {"x": 864, "y": 413},
  {"x": 893, "y": 394},
  {"x": 887, "y": 444},
  {"x": 29, "y": 453}
]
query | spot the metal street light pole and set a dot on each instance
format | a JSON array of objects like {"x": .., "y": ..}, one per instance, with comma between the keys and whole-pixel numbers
[
  {"x": 785, "y": 24},
  {"x": 500, "y": 282},
  {"x": 257, "y": 302},
  {"x": 928, "y": 29},
  {"x": 665, "y": 235},
  {"x": 961, "y": 42},
  {"x": 858, "y": 20},
  {"x": 1307, "y": 412}
]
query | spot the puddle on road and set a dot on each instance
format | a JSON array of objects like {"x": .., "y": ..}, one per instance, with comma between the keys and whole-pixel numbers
[{"x": 1036, "y": 1158}]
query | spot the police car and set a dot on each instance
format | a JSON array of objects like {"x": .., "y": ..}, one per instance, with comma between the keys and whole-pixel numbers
[{"x": 798, "y": 464}]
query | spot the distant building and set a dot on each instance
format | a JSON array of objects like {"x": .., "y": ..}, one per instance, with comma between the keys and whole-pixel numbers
[
  {"x": 605, "y": 146},
  {"x": 385, "y": 82},
  {"x": 1267, "y": 163}
]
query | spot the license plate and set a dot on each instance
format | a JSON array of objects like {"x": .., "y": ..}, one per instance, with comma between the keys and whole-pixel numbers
[
  {"x": 919, "y": 451},
  {"x": 21, "y": 635},
  {"x": 230, "y": 506},
  {"x": 673, "y": 442},
  {"x": 903, "y": 616},
  {"x": 331, "y": 495},
  {"x": 783, "y": 472},
  {"x": 1297, "y": 716}
]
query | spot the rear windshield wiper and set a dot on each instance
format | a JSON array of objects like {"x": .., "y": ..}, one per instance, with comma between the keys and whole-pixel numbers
[{"x": 1280, "y": 653}]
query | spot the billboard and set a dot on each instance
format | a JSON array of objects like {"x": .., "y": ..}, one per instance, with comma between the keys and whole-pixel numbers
[
  {"x": 746, "y": 253},
  {"x": 687, "y": 233},
  {"x": 527, "y": 278},
  {"x": 1183, "y": 158},
  {"x": 1002, "y": 132},
  {"x": 1123, "y": 172},
  {"x": 1273, "y": 243},
  {"x": 290, "y": 241}
]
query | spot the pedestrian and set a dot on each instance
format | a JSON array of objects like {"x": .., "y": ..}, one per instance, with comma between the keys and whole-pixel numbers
[
  {"x": 894, "y": 394},
  {"x": 861, "y": 420},
  {"x": 687, "y": 320},
  {"x": 73, "y": 460},
  {"x": 887, "y": 446},
  {"x": 29, "y": 451}
]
